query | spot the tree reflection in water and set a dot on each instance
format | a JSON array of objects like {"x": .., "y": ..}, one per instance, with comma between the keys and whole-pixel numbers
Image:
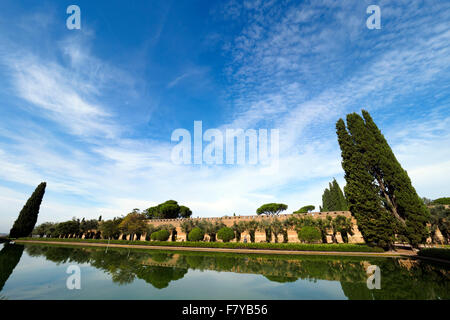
[
  {"x": 400, "y": 278},
  {"x": 9, "y": 258}
]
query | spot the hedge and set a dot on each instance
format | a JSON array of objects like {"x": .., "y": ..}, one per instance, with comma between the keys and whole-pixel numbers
[
  {"x": 439, "y": 253},
  {"x": 309, "y": 234},
  {"x": 337, "y": 247}
]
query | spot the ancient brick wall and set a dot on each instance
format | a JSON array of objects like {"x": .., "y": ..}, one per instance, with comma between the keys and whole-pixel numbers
[{"x": 259, "y": 235}]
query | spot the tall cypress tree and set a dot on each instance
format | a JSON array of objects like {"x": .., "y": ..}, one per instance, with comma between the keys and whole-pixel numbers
[
  {"x": 325, "y": 201},
  {"x": 373, "y": 220},
  {"x": 333, "y": 199},
  {"x": 341, "y": 202},
  {"x": 396, "y": 189},
  {"x": 391, "y": 184},
  {"x": 26, "y": 221}
]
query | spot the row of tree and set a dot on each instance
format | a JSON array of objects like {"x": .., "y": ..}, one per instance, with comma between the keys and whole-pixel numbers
[
  {"x": 435, "y": 202},
  {"x": 277, "y": 229},
  {"x": 132, "y": 224},
  {"x": 135, "y": 224},
  {"x": 74, "y": 228}
]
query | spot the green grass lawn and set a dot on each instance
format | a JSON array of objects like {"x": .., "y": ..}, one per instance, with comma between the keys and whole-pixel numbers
[{"x": 342, "y": 247}]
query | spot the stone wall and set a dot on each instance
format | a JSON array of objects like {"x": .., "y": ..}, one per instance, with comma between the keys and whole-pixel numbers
[{"x": 259, "y": 235}]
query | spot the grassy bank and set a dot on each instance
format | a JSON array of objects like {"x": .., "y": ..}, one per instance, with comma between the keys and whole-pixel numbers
[
  {"x": 438, "y": 253},
  {"x": 342, "y": 247}
]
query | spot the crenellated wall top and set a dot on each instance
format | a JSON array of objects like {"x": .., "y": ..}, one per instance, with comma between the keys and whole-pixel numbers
[{"x": 254, "y": 217}]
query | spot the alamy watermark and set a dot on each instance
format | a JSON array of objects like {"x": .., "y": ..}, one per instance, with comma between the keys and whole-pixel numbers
[
  {"x": 374, "y": 279},
  {"x": 74, "y": 20},
  {"x": 236, "y": 146},
  {"x": 374, "y": 20},
  {"x": 74, "y": 280}
]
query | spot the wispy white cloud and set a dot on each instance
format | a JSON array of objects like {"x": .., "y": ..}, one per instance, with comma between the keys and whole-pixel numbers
[
  {"x": 177, "y": 79},
  {"x": 193, "y": 73},
  {"x": 60, "y": 98}
]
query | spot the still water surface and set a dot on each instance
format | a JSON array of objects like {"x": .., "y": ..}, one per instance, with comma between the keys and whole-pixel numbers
[{"x": 36, "y": 271}]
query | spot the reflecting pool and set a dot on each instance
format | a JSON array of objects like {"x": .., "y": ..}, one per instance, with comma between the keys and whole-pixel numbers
[{"x": 36, "y": 271}]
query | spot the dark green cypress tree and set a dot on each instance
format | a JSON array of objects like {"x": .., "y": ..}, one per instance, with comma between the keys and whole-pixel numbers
[
  {"x": 333, "y": 199},
  {"x": 396, "y": 195},
  {"x": 373, "y": 220},
  {"x": 395, "y": 186},
  {"x": 26, "y": 221},
  {"x": 325, "y": 201},
  {"x": 341, "y": 203}
]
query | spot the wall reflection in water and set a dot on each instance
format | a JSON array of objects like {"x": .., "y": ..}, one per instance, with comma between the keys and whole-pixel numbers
[{"x": 401, "y": 278}]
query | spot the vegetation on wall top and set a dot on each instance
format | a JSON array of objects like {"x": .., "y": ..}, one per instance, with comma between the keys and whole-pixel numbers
[
  {"x": 167, "y": 210},
  {"x": 271, "y": 208},
  {"x": 305, "y": 209}
]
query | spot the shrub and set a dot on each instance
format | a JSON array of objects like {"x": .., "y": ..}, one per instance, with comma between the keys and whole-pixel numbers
[
  {"x": 161, "y": 235},
  {"x": 196, "y": 234},
  {"x": 309, "y": 234},
  {"x": 225, "y": 234}
]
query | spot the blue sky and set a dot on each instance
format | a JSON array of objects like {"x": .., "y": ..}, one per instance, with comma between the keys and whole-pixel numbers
[{"x": 91, "y": 111}]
